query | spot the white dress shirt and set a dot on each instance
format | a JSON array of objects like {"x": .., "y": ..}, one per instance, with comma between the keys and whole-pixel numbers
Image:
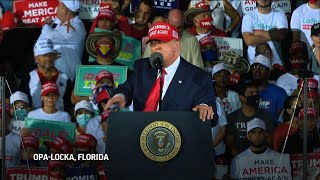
[{"x": 171, "y": 70}]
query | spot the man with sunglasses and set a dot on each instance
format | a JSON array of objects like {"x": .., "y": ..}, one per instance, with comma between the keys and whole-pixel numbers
[{"x": 272, "y": 96}]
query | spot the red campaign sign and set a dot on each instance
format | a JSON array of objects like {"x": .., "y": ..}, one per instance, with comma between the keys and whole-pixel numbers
[
  {"x": 23, "y": 173},
  {"x": 35, "y": 11},
  {"x": 313, "y": 165}
]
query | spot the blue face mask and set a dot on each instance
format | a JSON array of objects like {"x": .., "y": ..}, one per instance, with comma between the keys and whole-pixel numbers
[
  {"x": 209, "y": 55},
  {"x": 20, "y": 114},
  {"x": 83, "y": 119}
]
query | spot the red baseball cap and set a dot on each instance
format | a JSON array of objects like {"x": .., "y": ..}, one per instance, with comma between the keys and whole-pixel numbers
[
  {"x": 207, "y": 40},
  {"x": 299, "y": 47},
  {"x": 104, "y": 75},
  {"x": 86, "y": 141},
  {"x": 30, "y": 141},
  {"x": 202, "y": 5},
  {"x": 163, "y": 32},
  {"x": 107, "y": 12},
  {"x": 49, "y": 88},
  {"x": 311, "y": 112},
  {"x": 312, "y": 88},
  {"x": 104, "y": 94},
  {"x": 9, "y": 20},
  {"x": 61, "y": 144}
]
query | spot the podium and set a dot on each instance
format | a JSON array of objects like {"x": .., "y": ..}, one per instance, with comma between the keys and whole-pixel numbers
[{"x": 159, "y": 145}]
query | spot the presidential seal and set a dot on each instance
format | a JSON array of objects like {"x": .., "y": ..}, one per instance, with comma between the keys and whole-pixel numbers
[{"x": 160, "y": 141}]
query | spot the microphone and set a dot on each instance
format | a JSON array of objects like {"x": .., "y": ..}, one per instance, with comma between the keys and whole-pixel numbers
[{"x": 156, "y": 60}]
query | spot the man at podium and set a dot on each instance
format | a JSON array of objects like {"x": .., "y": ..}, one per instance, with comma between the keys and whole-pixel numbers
[{"x": 181, "y": 86}]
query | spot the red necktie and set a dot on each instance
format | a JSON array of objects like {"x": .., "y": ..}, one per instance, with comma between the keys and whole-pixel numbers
[{"x": 154, "y": 96}]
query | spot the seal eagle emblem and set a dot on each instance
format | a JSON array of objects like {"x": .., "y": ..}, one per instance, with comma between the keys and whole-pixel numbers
[{"x": 160, "y": 141}]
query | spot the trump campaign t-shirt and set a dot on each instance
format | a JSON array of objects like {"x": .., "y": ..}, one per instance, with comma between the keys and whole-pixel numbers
[
  {"x": 255, "y": 21},
  {"x": 272, "y": 100}
]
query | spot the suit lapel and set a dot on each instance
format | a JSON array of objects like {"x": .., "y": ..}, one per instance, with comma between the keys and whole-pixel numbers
[{"x": 176, "y": 84}]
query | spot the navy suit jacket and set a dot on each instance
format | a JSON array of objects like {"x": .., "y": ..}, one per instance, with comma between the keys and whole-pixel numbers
[{"x": 189, "y": 87}]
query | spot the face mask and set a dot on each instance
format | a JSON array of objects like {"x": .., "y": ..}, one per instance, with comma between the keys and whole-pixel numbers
[
  {"x": 104, "y": 50},
  {"x": 209, "y": 55},
  {"x": 20, "y": 114},
  {"x": 206, "y": 23},
  {"x": 253, "y": 101},
  {"x": 83, "y": 119}
]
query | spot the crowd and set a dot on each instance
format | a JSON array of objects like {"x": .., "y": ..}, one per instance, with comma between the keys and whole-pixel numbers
[{"x": 257, "y": 99}]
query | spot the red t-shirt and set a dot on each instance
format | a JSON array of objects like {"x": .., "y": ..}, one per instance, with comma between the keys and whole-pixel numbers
[{"x": 129, "y": 30}]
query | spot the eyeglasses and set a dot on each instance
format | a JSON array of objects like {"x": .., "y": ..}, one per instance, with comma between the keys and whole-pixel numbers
[
  {"x": 264, "y": 52},
  {"x": 20, "y": 107},
  {"x": 258, "y": 67}
]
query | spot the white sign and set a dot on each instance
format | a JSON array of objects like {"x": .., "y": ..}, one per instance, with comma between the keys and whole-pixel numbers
[
  {"x": 279, "y": 5},
  {"x": 89, "y": 9},
  {"x": 226, "y": 44},
  {"x": 265, "y": 167}
]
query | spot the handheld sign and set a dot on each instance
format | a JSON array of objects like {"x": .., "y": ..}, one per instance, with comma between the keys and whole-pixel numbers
[
  {"x": 297, "y": 165},
  {"x": 86, "y": 74},
  {"x": 25, "y": 173},
  {"x": 35, "y": 11},
  {"x": 265, "y": 167},
  {"x": 226, "y": 44},
  {"x": 47, "y": 130}
]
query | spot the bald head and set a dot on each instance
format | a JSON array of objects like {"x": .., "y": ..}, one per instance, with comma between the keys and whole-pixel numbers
[{"x": 176, "y": 18}]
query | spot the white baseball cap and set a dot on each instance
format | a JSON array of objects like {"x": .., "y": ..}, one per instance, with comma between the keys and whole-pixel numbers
[
  {"x": 218, "y": 67},
  {"x": 264, "y": 61},
  {"x": 73, "y": 5},
  {"x": 19, "y": 96},
  {"x": 85, "y": 105},
  {"x": 255, "y": 123},
  {"x": 43, "y": 46}
]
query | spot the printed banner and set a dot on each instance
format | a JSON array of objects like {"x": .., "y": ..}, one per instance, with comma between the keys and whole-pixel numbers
[
  {"x": 130, "y": 50},
  {"x": 280, "y": 5},
  {"x": 89, "y": 9},
  {"x": 86, "y": 74},
  {"x": 265, "y": 167},
  {"x": 165, "y": 5},
  {"x": 226, "y": 44},
  {"x": 35, "y": 11},
  {"x": 24, "y": 173},
  {"x": 297, "y": 165},
  {"x": 81, "y": 173}
]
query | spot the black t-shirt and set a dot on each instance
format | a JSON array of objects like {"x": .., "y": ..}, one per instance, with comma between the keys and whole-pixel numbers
[{"x": 237, "y": 126}]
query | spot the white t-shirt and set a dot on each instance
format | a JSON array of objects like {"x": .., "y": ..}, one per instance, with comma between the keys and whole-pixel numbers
[
  {"x": 234, "y": 168},
  {"x": 222, "y": 121},
  {"x": 257, "y": 21},
  {"x": 231, "y": 102},
  {"x": 288, "y": 82},
  {"x": 12, "y": 149},
  {"x": 57, "y": 116},
  {"x": 94, "y": 128},
  {"x": 302, "y": 19}
]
